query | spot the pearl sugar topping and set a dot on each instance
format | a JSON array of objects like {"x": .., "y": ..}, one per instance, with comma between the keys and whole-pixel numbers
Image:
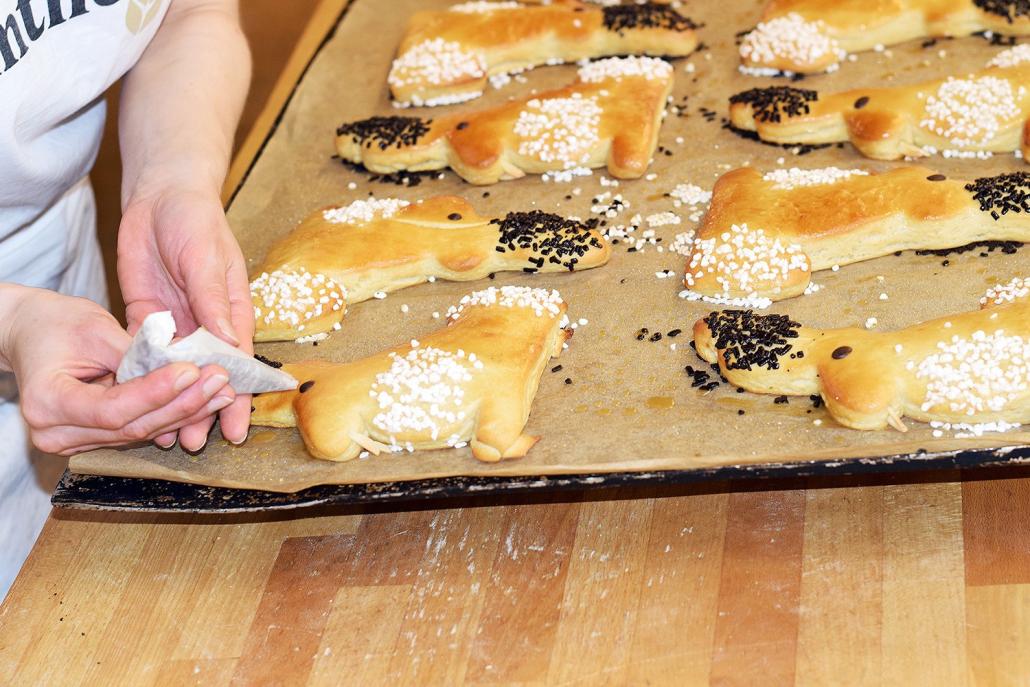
[
  {"x": 422, "y": 390},
  {"x": 559, "y": 130},
  {"x": 294, "y": 297},
  {"x": 978, "y": 373},
  {"x": 362, "y": 211}
]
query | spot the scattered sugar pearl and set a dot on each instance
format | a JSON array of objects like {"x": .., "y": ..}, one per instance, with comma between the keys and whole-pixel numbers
[
  {"x": 790, "y": 37},
  {"x": 787, "y": 179},
  {"x": 404, "y": 308},
  {"x": 965, "y": 430},
  {"x": 617, "y": 68},
  {"x": 883, "y": 296},
  {"x": 380, "y": 295},
  {"x": 870, "y": 323},
  {"x": 662, "y": 219},
  {"x": 690, "y": 194},
  {"x": 362, "y": 211}
]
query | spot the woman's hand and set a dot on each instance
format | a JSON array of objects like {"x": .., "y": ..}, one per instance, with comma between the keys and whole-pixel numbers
[
  {"x": 176, "y": 252},
  {"x": 63, "y": 352}
]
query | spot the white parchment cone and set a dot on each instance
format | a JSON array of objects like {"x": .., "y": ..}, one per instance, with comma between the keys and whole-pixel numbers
[{"x": 152, "y": 348}]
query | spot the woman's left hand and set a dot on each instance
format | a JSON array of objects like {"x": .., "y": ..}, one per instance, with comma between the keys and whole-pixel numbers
[{"x": 176, "y": 252}]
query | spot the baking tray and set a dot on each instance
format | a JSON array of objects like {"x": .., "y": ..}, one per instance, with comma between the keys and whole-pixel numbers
[{"x": 587, "y": 439}]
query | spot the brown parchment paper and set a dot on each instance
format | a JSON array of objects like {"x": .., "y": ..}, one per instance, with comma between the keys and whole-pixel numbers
[{"x": 605, "y": 420}]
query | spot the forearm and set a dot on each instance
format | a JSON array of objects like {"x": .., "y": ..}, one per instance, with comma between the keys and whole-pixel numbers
[
  {"x": 11, "y": 298},
  {"x": 182, "y": 101}
]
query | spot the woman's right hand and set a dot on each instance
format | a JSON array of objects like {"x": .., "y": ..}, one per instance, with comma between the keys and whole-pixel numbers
[{"x": 64, "y": 352}]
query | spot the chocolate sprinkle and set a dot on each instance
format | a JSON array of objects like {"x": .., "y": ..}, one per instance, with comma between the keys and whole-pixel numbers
[
  {"x": 841, "y": 352},
  {"x": 306, "y": 386},
  {"x": 454, "y": 216},
  {"x": 861, "y": 102},
  {"x": 1009, "y": 9},
  {"x": 267, "y": 361},
  {"x": 552, "y": 238},
  {"x": 748, "y": 340},
  {"x": 770, "y": 104},
  {"x": 386, "y": 131},
  {"x": 649, "y": 15},
  {"x": 1006, "y": 247},
  {"x": 1002, "y": 194},
  {"x": 936, "y": 177}
]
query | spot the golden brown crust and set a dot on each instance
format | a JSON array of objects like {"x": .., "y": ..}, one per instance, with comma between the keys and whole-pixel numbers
[
  {"x": 852, "y": 216},
  {"x": 860, "y": 25},
  {"x": 485, "y": 44},
  {"x": 503, "y": 351},
  {"x": 614, "y": 122},
  {"x": 870, "y": 380},
  {"x": 442, "y": 237},
  {"x": 892, "y": 123}
]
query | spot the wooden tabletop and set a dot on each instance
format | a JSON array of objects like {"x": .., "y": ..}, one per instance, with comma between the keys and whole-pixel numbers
[
  {"x": 918, "y": 582},
  {"x": 924, "y": 583}
]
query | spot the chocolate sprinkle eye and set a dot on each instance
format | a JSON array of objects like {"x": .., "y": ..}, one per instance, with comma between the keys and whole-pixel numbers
[
  {"x": 306, "y": 385},
  {"x": 770, "y": 104},
  {"x": 748, "y": 340},
  {"x": 1002, "y": 194},
  {"x": 649, "y": 15},
  {"x": 1010, "y": 9},
  {"x": 454, "y": 216},
  {"x": 841, "y": 352},
  {"x": 553, "y": 239},
  {"x": 462, "y": 125},
  {"x": 936, "y": 177},
  {"x": 861, "y": 102},
  {"x": 386, "y": 131}
]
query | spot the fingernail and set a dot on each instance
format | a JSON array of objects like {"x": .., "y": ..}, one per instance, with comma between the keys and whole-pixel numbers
[
  {"x": 227, "y": 331},
  {"x": 165, "y": 446},
  {"x": 243, "y": 439},
  {"x": 216, "y": 404},
  {"x": 186, "y": 379},
  {"x": 214, "y": 383}
]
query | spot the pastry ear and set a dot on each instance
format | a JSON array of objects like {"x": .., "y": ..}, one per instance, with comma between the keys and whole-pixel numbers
[{"x": 881, "y": 134}]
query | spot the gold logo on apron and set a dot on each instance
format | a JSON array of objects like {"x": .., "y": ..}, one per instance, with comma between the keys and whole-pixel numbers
[{"x": 141, "y": 13}]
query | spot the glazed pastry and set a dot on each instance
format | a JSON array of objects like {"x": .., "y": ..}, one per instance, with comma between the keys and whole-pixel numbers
[
  {"x": 765, "y": 234},
  {"x": 471, "y": 382},
  {"x": 609, "y": 116},
  {"x": 962, "y": 116},
  {"x": 809, "y": 36},
  {"x": 371, "y": 247},
  {"x": 447, "y": 56},
  {"x": 972, "y": 368}
]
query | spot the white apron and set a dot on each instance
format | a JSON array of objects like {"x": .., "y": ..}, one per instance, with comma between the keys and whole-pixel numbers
[{"x": 57, "y": 57}]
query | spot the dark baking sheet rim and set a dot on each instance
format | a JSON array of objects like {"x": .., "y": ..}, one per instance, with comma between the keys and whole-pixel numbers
[{"x": 95, "y": 492}]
